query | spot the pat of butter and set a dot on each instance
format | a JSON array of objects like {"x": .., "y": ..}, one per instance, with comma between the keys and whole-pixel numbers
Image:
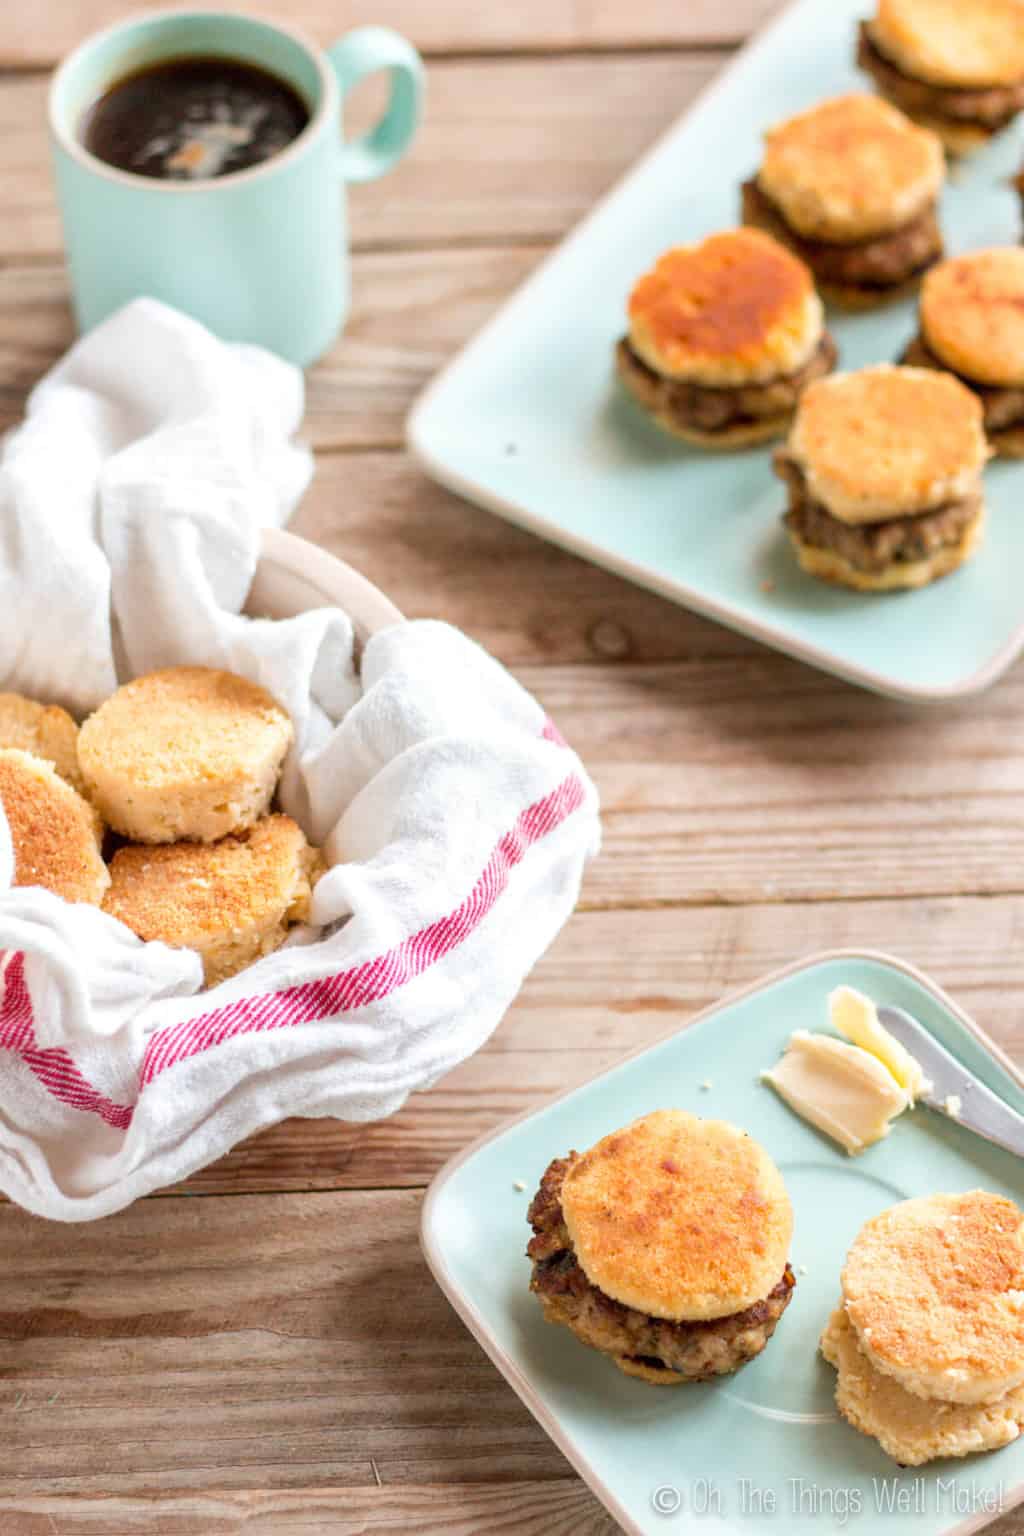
[
  {"x": 841, "y": 1089},
  {"x": 854, "y": 1016}
]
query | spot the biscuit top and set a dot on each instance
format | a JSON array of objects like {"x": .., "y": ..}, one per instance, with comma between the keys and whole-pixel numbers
[
  {"x": 183, "y": 892},
  {"x": 935, "y": 1287},
  {"x": 887, "y": 442},
  {"x": 972, "y": 315},
  {"x": 182, "y": 725},
  {"x": 54, "y": 832},
  {"x": 679, "y": 1217},
  {"x": 850, "y": 169},
  {"x": 953, "y": 42},
  {"x": 737, "y": 307}
]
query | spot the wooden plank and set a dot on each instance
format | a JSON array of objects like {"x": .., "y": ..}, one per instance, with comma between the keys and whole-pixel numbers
[
  {"x": 510, "y": 149},
  {"x": 437, "y": 556},
  {"x": 456, "y": 1509},
  {"x": 292, "y": 1340},
  {"x": 614, "y": 982},
  {"x": 554, "y": 1508},
  {"x": 35, "y": 36}
]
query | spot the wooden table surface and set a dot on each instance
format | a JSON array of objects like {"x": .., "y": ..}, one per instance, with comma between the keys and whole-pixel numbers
[{"x": 263, "y": 1349}]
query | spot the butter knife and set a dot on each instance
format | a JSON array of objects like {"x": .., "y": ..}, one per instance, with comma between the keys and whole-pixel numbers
[{"x": 953, "y": 1090}]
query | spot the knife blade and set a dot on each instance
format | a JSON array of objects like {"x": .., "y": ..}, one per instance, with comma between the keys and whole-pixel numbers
[{"x": 953, "y": 1087}]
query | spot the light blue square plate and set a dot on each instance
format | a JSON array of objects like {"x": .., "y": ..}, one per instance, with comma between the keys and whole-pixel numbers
[
  {"x": 527, "y": 420},
  {"x": 762, "y": 1451}
]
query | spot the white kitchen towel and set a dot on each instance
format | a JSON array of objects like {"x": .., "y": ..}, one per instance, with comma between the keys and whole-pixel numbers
[{"x": 455, "y": 820}]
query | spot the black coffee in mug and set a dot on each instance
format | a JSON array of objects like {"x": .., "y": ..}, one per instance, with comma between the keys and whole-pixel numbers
[{"x": 193, "y": 118}]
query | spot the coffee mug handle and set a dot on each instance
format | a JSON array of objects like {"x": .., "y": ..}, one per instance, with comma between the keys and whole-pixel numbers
[{"x": 363, "y": 52}]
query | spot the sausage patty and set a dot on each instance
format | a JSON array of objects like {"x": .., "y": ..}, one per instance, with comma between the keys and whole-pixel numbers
[
  {"x": 886, "y": 261},
  {"x": 705, "y": 409},
  {"x": 989, "y": 109},
  {"x": 694, "y": 1350},
  {"x": 872, "y": 546}
]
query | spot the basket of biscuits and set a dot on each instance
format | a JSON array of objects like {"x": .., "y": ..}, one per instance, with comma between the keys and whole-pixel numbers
[{"x": 266, "y": 847}]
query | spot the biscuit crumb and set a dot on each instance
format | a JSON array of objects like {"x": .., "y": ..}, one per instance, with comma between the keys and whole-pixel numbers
[
  {"x": 706, "y": 1085},
  {"x": 519, "y": 1185},
  {"x": 952, "y": 1104}
]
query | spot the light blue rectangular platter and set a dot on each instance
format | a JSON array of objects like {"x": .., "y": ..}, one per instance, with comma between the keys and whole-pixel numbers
[
  {"x": 675, "y": 1459},
  {"x": 528, "y": 422}
]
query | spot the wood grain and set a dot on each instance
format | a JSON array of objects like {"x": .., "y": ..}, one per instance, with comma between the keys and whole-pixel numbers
[
  {"x": 552, "y": 1508},
  {"x": 455, "y": 1509},
  {"x": 36, "y": 36},
  {"x": 510, "y": 150},
  {"x": 228, "y": 1343}
]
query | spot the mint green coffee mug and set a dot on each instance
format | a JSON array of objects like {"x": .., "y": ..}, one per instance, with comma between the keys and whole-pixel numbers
[{"x": 259, "y": 255}]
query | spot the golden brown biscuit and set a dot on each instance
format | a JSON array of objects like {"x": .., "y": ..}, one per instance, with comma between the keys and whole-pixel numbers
[
  {"x": 187, "y": 753},
  {"x": 964, "y": 118},
  {"x": 912, "y": 1429},
  {"x": 654, "y": 1375},
  {"x": 737, "y": 308},
  {"x": 969, "y": 43},
  {"x": 850, "y": 169},
  {"x": 232, "y": 901},
  {"x": 679, "y": 1217},
  {"x": 934, "y": 1288},
  {"x": 972, "y": 315},
  {"x": 888, "y": 441},
  {"x": 54, "y": 832},
  {"x": 958, "y": 139},
  {"x": 45, "y": 730}
]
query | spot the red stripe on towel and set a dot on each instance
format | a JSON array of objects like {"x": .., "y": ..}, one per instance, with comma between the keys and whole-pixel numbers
[
  {"x": 53, "y": 1067},
  {"x": 307, "y": 1003},
  {"x": 311, "y": 1001}
]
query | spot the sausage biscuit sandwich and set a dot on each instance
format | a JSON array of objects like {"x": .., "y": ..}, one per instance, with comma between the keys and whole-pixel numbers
[{"x": 665, "y": 1247}]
